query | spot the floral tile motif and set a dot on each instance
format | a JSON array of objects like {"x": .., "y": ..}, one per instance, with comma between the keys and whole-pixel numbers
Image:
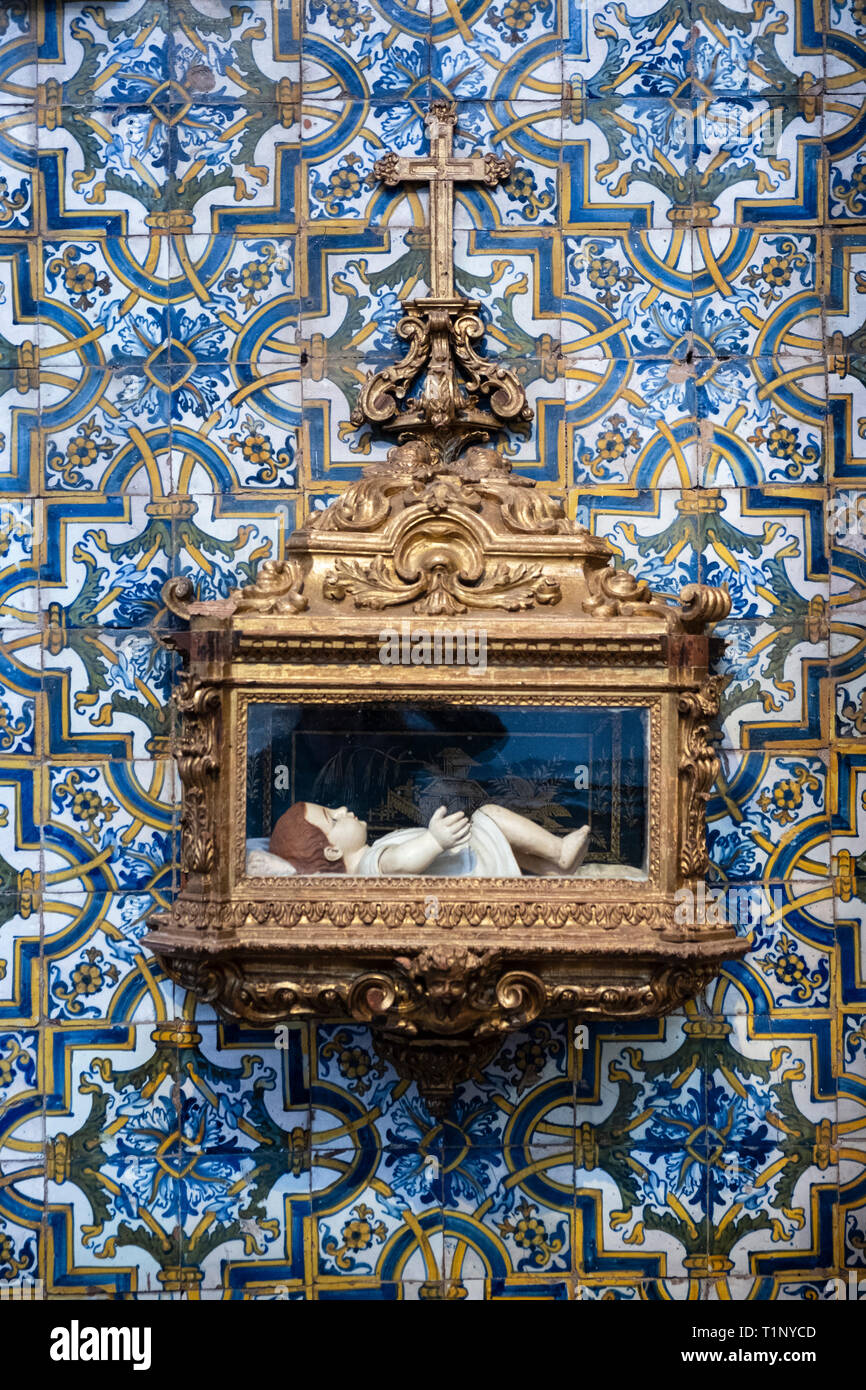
[
  {"x": 217, "y": 1151},
  {"x": 19, "y": 412},
  {"x": 767, "y": 818},
  {"x": 855, "y": 1238},
  {"x": 236, "y": 294},
  {"x": 848, "y": 644},
  {"x": 509, "y": 1229},
  {"x": 119, "y": 582},
  {"x": 19, "y": 838},
  {"x": 639, "y": 525},
  {"x": 196, "y": 274},
  {"x": 354, "y": 1081},
  {"x": 640, "y": 147},
  {"x": 763, "y": 420},
  {"x": 845, "y": 45},
  {"x": 20, "y": 686},
  {"x": 18, "y": 157},
  {"x": 532, "y": 134},
  {"x": 20, "y": 527},
  {"x": 762, "y": 573},
  {"x": 618, "y": 436},
  {"x": 661, "y": 49},
  {"x": 340, "y": 185},
  {"x": 196, "y": 47},
  {"x": 851, "y": 1105},
  {"x": 124, "y": 678},
  {"x": 671, "y": 422},
  {"x": 643, "y": 287},
  {"x": 18, "y": 1250},
  {"x": 19, "y": 958},
  {"x": 350, "y": 49},
  {"x": 738, "y": 50},
  {"x": 847, "y": 179},
  {"x": 93, "y": 961},
  {"x": 747, "y": 148},
  {"x": 609, "y": 51},
  {"x": 372, "y": 1236},
  {"x": 121, "y": 286},
  {"x": 755, "y": 294},
  {"x": 116, "y": 821},
  {"x": 99, "y": 431},
  {"x": 18, "y": 58},
  {"x": 791, "y": 933},
  {"x": 776, "y": 1207}
]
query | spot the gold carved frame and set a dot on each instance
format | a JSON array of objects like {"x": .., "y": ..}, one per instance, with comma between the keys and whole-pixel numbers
[
  {"x": 260, "y": 886},
  {"x": 441, "y": 990}
]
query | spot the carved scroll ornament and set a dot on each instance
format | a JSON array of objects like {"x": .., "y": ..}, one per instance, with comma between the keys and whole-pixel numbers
[
  {"x": 698, "y": 768},
  {"x": 460, "y": 392},
  {"x": 440, "y": 1015},
  {"x": 198, "y": 765},
  {"x": 456, "y": 381},
  {"x": 443, "y": 992}
]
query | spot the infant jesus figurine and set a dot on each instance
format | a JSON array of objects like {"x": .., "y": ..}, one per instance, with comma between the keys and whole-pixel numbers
[{"x": 492, "y": 843}]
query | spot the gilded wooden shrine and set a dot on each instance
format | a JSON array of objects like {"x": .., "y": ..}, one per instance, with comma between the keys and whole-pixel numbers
[{"x": 444, "y": 536}]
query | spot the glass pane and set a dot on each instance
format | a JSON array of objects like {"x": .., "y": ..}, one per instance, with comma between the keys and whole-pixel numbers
[{"x": 528, "y": 777}]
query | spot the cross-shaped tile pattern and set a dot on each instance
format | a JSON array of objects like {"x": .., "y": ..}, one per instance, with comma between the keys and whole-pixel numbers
[{"x": 198, "y": 269}]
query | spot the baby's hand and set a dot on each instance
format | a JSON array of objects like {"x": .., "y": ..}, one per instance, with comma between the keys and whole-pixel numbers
[{"x": 451, "y": 832}]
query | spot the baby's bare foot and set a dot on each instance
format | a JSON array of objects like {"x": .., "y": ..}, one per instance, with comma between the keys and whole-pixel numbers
[{"x": 573, "y": 850}]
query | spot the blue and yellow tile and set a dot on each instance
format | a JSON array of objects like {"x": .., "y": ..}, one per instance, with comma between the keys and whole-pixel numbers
[{"x": 195, "y": 276}]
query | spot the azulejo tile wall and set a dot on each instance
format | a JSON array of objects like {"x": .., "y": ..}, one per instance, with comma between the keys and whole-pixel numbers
[{"x": 195, "y": 274}]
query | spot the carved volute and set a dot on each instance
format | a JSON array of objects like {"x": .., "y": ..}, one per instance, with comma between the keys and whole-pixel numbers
[{"x": 436, "y": 539}]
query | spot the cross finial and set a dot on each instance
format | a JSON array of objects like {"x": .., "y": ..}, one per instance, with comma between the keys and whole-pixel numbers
[
  {"x": 463, "y": 395},
  {"x": 441, "y": 169}
]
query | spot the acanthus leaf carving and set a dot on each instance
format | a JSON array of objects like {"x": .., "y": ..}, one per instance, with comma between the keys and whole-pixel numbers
[
  {"x": 421, "y": 472},
  {"x": 441, "y": 994},
  {"x": 277, "y": 588},
  {"x": 698, "y": 770},
  {"x": 616, "y": 593},
  {"x": 198, "y": 765},
  {"x": 375, "y": 585},
  {"x": 441, "y": 587}
]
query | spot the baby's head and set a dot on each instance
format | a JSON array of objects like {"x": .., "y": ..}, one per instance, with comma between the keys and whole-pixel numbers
[{"x": 314, "y": 838}]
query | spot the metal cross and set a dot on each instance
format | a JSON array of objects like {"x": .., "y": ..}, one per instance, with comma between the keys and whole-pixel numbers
[{"x": 441, "y": 169}]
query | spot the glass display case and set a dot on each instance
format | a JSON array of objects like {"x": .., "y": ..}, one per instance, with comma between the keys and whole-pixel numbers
[{"x": 394, "y": 764}]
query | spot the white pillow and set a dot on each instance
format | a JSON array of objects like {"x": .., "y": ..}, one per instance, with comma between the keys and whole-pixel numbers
[{"x": 262, "y": 864}]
